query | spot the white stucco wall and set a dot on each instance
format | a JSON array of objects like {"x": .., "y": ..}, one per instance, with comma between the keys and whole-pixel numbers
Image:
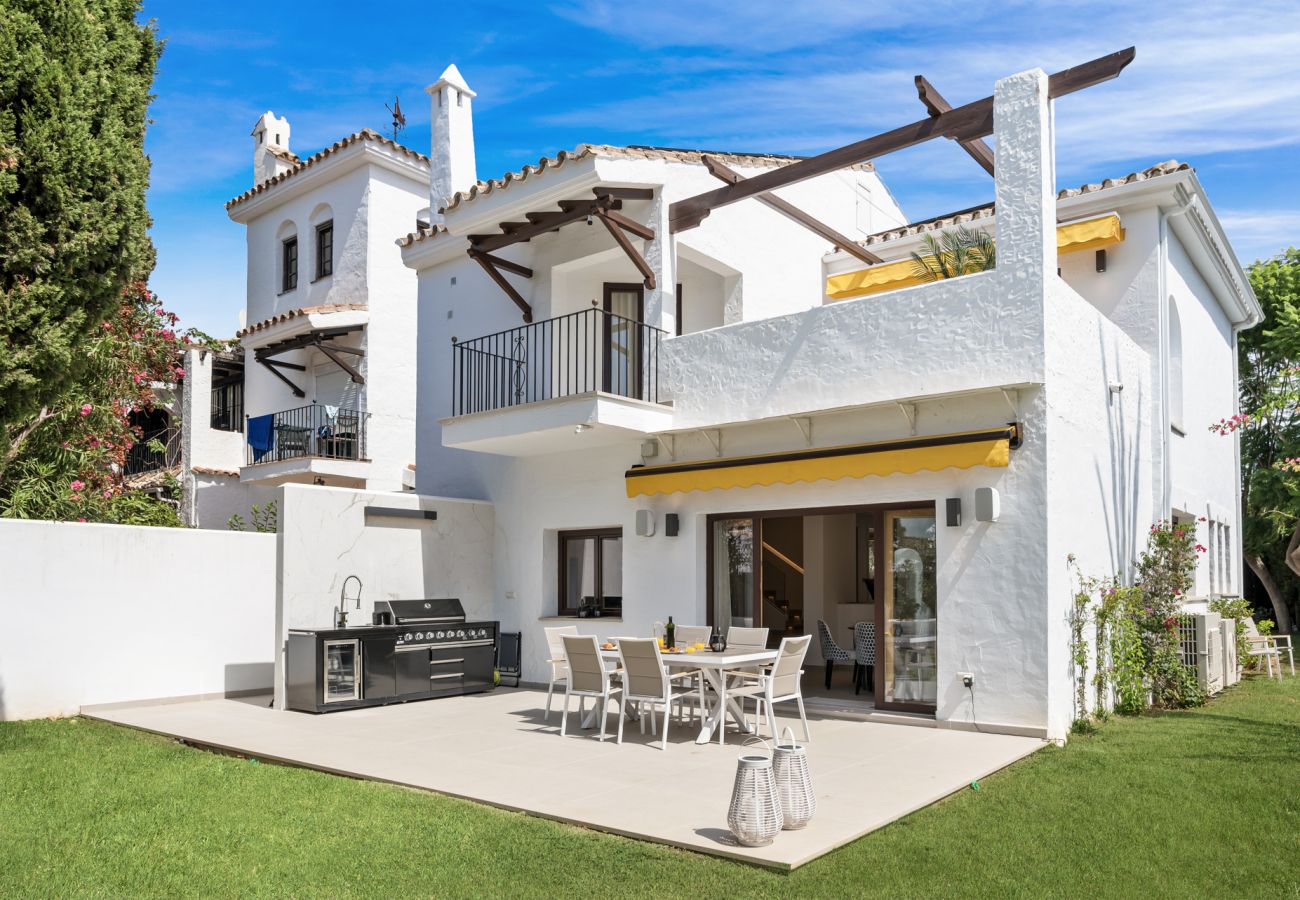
[
  {"x": 1099, "y": 469},
  {"x": 1204, "y": 475},
  {"x": 112, "y": 613},
  {"x": 323, "y": 538}
]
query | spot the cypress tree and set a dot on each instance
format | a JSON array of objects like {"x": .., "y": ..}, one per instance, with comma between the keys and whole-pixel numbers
[{"x": 75, "y": 80}]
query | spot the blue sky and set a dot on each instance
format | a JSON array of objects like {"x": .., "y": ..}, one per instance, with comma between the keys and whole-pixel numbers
[{"x": 1216, "y": 85}]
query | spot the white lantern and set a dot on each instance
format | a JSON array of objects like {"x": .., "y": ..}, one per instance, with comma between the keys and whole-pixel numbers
[
  {"x": 793, "y": 782},
  {"x": 755, "y": 812}
]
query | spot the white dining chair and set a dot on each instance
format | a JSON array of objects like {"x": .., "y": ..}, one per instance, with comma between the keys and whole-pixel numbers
[
  {"x": 743, "y": 639},
  {"x": 647, "y": 683},
  {"x": 693, "y": 634},
  {"x": 588, "y": 677},
  {"x": 779, "y": 683},
  {"x": 559, "y": 670}
]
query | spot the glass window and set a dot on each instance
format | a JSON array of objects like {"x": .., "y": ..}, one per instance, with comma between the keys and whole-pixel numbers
[
  {"x": 289, "y": 265},
  {"x": 325, "y": 250},
  {"x": 591, "y": 571},
  {"x": 733, "y": 573}
]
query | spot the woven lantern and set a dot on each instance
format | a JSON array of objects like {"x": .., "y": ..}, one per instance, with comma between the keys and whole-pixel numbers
[
  {"x": 755, "y": 812},
  {"x": 794, "y": 788}
]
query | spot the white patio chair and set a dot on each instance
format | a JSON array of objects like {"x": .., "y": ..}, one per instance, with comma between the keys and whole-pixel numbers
[
  {"x": 686, "y": 636},
  {"x": 743, "y": 639},
  {"x": 1283, "y": 644},
  {"x": 646, "y": 682},
  {"x": 780, "y": 683},
  {"x": 1264, "y": 647},
  {"x": 559, "y": 671},
  {"x": 693, "y": 634},
  {"x": 588, "y": 677}
]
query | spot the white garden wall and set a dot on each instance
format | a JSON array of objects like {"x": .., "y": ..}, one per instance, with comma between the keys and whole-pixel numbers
[{"x": 110, "y": 613}]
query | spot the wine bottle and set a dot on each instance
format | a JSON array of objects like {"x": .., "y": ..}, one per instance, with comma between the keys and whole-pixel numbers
[{"x": 670, "y": 634}]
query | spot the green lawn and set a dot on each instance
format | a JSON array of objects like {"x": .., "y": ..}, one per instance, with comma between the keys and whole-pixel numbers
[{"x": 1195, "y": 804}]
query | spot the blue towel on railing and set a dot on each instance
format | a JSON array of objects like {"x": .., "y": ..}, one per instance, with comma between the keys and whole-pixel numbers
[{"x": 261, "y": 435}]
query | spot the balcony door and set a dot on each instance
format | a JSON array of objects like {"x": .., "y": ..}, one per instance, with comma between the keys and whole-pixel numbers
[{"x": 622, "y": 351}]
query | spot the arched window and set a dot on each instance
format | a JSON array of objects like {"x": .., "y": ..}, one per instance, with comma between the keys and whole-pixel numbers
[{"x": 1174, "y": 372}]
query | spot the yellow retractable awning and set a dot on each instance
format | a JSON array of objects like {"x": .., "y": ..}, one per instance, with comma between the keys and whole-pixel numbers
[
  {"x": 957, "y": 451},
  {"x": 1092, "y": 234}
]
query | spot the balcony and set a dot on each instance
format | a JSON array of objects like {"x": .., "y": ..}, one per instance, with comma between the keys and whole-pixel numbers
[
  {"x": 306, "y": 441},
  {"x": 584, "y": 379}
]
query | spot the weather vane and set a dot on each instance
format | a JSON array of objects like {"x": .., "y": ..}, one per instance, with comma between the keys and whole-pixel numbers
[{"x": 399, "y": 119}]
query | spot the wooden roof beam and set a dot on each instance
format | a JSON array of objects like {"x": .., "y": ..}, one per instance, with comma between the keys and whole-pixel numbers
[
  {"x": 542, "y": 222},
  {"x": 484, "y": 260},
  {"x": 844, "y": 242},
  {"x": 936, "y": 105},
  {"x": 274, "y": 366},
  {"x": 616, "y": 231},
  {"x": 965, "y": 123},
  {"x": 330, "y": 351},
  {"x": 624, "y": 193}
]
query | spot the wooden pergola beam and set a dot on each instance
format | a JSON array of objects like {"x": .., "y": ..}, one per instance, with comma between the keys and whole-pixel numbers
[
  {"x": 508, "y": 265},
  {"x": 790, "y": 211},
  {"x": 542, "y": 222},
  {"x": 964, "y": 123},
  {"x": 274, "y": 366},
  {"x": 484, "y": 260},
  {"x": 330, "y": 351},
  {"x": 622, "y": 240},
  {"x": 936, "y": 105},
  {"x": 622, "y": 221},
  {"x": 624, "y": 193}
]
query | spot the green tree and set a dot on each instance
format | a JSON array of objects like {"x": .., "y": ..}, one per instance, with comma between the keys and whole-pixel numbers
[
  {"x": 75, "y": 79},
  {"x": 1269, "y": 428}
]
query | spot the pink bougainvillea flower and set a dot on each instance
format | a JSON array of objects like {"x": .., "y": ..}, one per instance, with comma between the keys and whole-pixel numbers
[
  {"x": 81, "y": 518},
  {"x": 107, "y": 494},
  {"x": 86, "y": 408},
  {"x": 180, "y": 373},
  {"x": 77, "y": 484}
]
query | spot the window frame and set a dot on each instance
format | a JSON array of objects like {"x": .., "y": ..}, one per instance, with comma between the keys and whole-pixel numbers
[
  {"x": 599, "y": 535},
  {"x": 289, "y": 264},
  {"x": 324, "y": 261}
]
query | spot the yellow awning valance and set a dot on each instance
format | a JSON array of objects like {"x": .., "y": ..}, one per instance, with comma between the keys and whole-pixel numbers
[
  {"x": 957, "y": 451},
  {"x": 1092, "y": 234}
]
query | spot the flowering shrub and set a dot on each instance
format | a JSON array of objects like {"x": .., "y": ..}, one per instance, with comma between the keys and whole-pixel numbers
[
  {"x": 79, "y": 444},
  {"x": 1137, "y": 654}
]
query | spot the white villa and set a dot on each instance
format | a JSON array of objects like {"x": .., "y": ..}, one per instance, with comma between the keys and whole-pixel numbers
[
  {"x": 748, "y": 413},
  {"x": 326, "y": 374}
]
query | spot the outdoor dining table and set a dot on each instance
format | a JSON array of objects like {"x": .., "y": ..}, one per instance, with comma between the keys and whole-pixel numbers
[{"x": 712, "y": 667}]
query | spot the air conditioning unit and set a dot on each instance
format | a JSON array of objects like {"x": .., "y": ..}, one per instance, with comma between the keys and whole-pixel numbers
[
  {"x": 1200, "y": 638},
  {"x": 1231, "y": 665}
]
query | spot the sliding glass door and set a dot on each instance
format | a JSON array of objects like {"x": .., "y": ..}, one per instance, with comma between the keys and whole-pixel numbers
[
  {"x": 907, "y": 618},
  {"x": 734, "y": 573}
]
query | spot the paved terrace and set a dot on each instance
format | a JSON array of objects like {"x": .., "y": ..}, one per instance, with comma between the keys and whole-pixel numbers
[{"x": 498, "y": 749}]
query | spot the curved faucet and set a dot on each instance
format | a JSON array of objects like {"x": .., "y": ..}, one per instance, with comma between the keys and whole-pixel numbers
[{"x": 344, "y": 598}]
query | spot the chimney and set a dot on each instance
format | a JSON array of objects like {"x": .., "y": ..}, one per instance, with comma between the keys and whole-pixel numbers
[
  {"x": 451, "y": 151},
  {"x": 271, "y": 154}
]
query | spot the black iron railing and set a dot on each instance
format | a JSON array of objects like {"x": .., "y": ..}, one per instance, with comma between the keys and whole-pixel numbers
[
  {"x": 143, "y": 458},
  {"x": 324, "y": 432},
  {"x": 586, "y": 351}
]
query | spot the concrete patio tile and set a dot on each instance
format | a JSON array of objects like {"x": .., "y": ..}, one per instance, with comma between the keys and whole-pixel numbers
[{"x": 498, "y": 748}]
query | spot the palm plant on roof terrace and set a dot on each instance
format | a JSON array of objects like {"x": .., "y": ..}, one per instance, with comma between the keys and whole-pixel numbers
[{"x": 956, "y": 252}]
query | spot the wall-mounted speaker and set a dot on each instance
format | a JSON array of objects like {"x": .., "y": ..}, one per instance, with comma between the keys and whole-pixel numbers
[
  {"x": 671, "y": 524},
  {"x": 645, "y": 522}
]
